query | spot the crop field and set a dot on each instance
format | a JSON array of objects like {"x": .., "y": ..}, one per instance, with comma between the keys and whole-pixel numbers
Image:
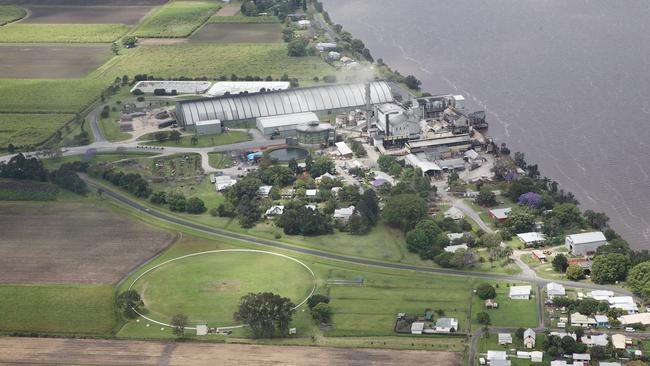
[
  {"x": 212, "y": 60},
  {"x": 228, "y": 11},
  {"x": 86, "y": 14},
  {"x": 54, "y": 62},
  {"x": 57, "y": 309},
  {"x": 238, "y": 18},
  {"x": 29, "y": 129},
  {"x": 61, "y": 33},
  {"x": 215, "y": 283},
  {"x": 238, "y": 33},
  {"x": 48, "y": 95},
  {"x": 26, "y": 190},
  {"x": 176, "y": 19},
  {"x": 72, "y": 242},
  {"x": 10, "y": 13}
]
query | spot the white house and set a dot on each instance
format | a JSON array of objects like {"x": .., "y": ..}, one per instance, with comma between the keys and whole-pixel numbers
[
  {"x": 603, "y": 363},
  {"x": 643, "y": 318},
  {"x": 500, "y": 363},
  {"x": 520, "y": 292},
  {"x": 531, "y": 238},
  {"x": 454, "y": 213},
  {"x": 505, "y": 338},
  {"x": 585, "y": 243},
  {"x": 581, "y": 357},
  {"x": 595, "y": 340},
  {"x": 454, "y": 248},
  {"x": 201, "y": 328},
  {"x": 264, "y": 191},
  {"x": 326, "y": 175},
  {"x": 579, "y": 320},
  {"x": 417, "y": 328},
  {"x": 274, "y": 211},
  {"x": 529, "y": 338},
  {"x": 601, "y": 295},
  {"x": 555, "y": 289},
  {"x": 619, "y": 341},
  {"x": 625, "y": 303},
  {"x": 344, "y": 213},
  {"x": 446, "y": 325},
  {"x": 534, "y": 356},
  {"x": 565, "y": 334},
  {"x": 496, "y": 355},
  {"x": 311, "y": 193},
  {"x": 223, "y": 182}
]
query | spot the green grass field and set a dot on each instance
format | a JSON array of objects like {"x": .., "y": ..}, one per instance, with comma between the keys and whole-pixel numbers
[
  {"x": 209, "y": 287},
  {"x": 55, "y": 163},
  {"x": 29, "y": 129},
  {"x": 203, "y": 140},
  {"x": 110, "y": 128},
  {"x": 9, "y": 13},
  {"x": 511, "y": 313},
  {"x": 176, "y": 19},
  {"x": 492, "y": 343},
  {"x": 220, "y": 160},
  {"x": 61, "y": 33},
  {"x": 239, "y": 18},
  {"x": 70, "y": 309},
  {"x": 27, "y": 190},
  {"x": 212, "y": 60},
  {"x": 42, "y": 96}
]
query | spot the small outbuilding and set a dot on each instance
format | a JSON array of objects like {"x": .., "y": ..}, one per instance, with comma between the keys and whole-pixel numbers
[
  {"x": 417, "y": 328},
  {"x": 529, "y": 338},
  {"x": 520, "y": 292},
  {"x": 454, "y": 213},
  {"x": 555, "y": 289},
  {"x": 500, "y": 214},
  {"x": 201, "y": 328},
  {"x": 505, "y": 338}
]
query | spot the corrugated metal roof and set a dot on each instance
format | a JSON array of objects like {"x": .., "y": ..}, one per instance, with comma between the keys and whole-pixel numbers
[{"x": 248, "y": 106}]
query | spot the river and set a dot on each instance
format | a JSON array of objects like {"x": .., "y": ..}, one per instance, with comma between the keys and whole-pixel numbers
[{"x": 567, "y": 82}]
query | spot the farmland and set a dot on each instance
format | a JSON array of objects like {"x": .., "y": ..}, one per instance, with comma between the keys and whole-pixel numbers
[
  {"x": 86, "y": 14},
  {"x": 48, "y": 95},
  {"x": 15, "y": 190},
  {"x": 36, "y": 62},
  {"x": 238, "y": 33},
  {"x": 10, "y": 13},
  {"x": 213, "y": 60},
  {"x": 176, "y": 19},
  {"x": 238, "y": 18},
  {"x": 48, "y": 242},
  {"x": 57, "y": 309},
  {"x": 29, "y": 129},
  {"x": 61, "y": 33}
]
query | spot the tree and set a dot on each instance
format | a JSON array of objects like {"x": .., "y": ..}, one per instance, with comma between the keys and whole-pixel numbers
[
  {"x": 320, "y": 166},
  {"x": 520, "y": 187},
  {"x": 596, "y": 220},
  {"x": 519, "y": 333},
  {"x": 194, "y": 140},
  {"x": 385, "y": 162},
  {"x": 568, "y": 214},
  {"x": 248, "y": 212},
  {"x": 486, "y": 291},
  {"x": 11, "y": 148},
  {"x": 609, "y": 268},
  {"x": 560, "y": 263},
  {"x": 128, "y": 42},
  {"x": 317, "y": 299},
  {"x": 175, "y": 136},
  {"x": 412, "y": 82},
  {"x": 638, "y": 279},
  {"x": 129, "y": 302},
  {"x": 568, "y": 344},
  {"x": 177, "y": 202},
  {"x": 115, "y": 48},
  {"x": 179, "y": 322},
  {"x": 297, "y": 48},
  {"x": 404, "y": 210},
  {"x": 575, "y": 273},
  {"x": 520, "y": 160},
  {"x": 322, "y": 313},
  {"x": 531, "y": 199},
  {"x": 195, "y": 206},
  {"x": 486, "y": 198},
  {"x": 520, "y": 221},
  {"x": 587, "y": 306},
  {"x": 265, "y": 313},
  {"x": 483, "y": 318},
  {"x": 490, "y": 240}
]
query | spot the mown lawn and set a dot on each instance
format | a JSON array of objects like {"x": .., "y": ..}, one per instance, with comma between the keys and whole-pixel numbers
[
  {"x": 9, "y": 13},
  {"x": 203, "y": 140},
  {"x": 220, "y": 160},
  {"x": 70, "y": 309},
  {"x": 176, "y": 19},
  {"x": 212, "y": 60},
  {"x": 110, "y": 128},
  {"x": 511, "y": 313},
  {"x": 61, "y": 33},
  {"x": 29, "y": 129}
]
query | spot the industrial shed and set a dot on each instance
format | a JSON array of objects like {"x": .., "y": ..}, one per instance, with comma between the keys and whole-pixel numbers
[
  {"x": 284, "y": 125},
  {"x": 329, "y": 99},
  {"x": 208, "y": 127}
]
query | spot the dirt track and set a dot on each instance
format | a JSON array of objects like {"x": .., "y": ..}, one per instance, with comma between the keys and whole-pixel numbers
[
  {"x": 49, "y": 62},
  {"x": 86, "y": 14},
  {"x": 104, "y": 352},
  {"x": 56, "y": 242}
]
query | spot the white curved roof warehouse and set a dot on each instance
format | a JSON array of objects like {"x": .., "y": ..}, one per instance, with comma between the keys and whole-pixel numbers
[{"x": 250, "y": 106}]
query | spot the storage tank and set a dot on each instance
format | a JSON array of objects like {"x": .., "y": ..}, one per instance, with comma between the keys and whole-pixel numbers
[{"x": 314, "y": 133}]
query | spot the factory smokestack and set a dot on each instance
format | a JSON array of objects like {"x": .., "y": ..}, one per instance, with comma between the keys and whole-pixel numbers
[
  {"x": 387, "y": 125},
  {"x": 368, "y": 111}
]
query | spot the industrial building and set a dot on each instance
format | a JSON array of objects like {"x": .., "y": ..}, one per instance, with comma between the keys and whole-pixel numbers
[
  {"x": 440, "y": 145},
  {"x": 395, "y": 122},
  {"x": 329, "y": 99},
  {"x": 239, "y": 87},
  {"x": 208, "y": 127},
  {"x": 169, "y": 86},
  {"x": 285, "y": 125},
  {"x": 584, "y": 243}
]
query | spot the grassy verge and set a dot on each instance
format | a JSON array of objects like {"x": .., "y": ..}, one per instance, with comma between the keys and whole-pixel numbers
[
  {"x": 111, "y": 129},
  {"x": 55, "y": 163},
  {"x": 61, "y": 33},
  {"x": 69, "y": 309},
  {"x": 10, "y": 13},
  {"x": 203, "y": 140},
  {"x": 29, "y": 129},
  {"x": 220, "y": 160},
  {"x": 176, "y": 19}
]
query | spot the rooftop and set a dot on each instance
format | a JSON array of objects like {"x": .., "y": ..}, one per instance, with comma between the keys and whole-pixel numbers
[
  {"x": 288, "y": 119},
  {"x": 587, "y": 237}
]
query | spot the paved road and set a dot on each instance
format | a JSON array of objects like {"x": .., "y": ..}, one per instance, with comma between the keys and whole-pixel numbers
[{"x": 368, "y": 262}]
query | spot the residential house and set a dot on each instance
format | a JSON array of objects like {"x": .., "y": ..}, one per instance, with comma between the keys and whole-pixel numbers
[
  {"x": 264, "y": 191},
  {"x": 601, "y": 320},
  {"x": 564, "y": 334},
  {"x": 343, "y": 150},
  {"x": 532, "y": 238},
  {"x": 603, "y": 363},
  {"x": 505, "y": 338},
  {"x": 288, "y": 193},
  {"x": 595, "y": 340},
  {"x": 326, "y": 175},
  {"x": 520, "y": 292},
  {"x": 496, "y": 355},
  {"x": 311, "y": 193},
  {"x": 625, "y": 303},
  {"x": 417, "y": 328},
  {"x": 581, "y": 357},
  {"x": 454, "y": 214},
  {"x": 539, "y": 255},
  {"x": 223, "y": 182},
  {"x": 534, "y": 356},
  {"x": 343, "y": 213},
  {"x": 335, "y": 191},
  {"x": 601, "y": 295},
  {"x": 584, "y": 243},
  {"x": 454, "y": 248},
  {"x": 454, "y": 236},
  {"x": 446, "y": 325},
  {"x": 619, "y": 341},
  {"x": 491, "y": 304},
  {"x": 274, "y": 211},
  {"x": 579, "y": 320},
  {"x": 529, "y": 338},
  {"x": 643, "y": 318},
  {"x": 555, "y": 289},
  {"x": 500, "y": 214},
  {"x": 500, "y": 363}
]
